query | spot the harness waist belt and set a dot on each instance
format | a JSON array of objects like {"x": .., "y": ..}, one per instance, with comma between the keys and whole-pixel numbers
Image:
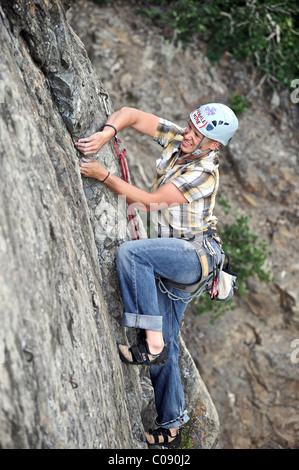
[
  {"x": 205, "y": 276},
  {"x": 180, "y": 286}
]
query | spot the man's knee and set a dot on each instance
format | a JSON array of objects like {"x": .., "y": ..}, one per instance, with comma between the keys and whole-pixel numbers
[{"x": 123, "y": 254}]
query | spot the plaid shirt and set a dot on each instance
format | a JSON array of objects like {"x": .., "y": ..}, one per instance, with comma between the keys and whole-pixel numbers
[{"x": 197, "y": 179}]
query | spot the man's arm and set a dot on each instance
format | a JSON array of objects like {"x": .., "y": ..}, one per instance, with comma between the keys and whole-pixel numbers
[
  {"x": 166, "y": 195},
  {"x": 145, "y": 123}
]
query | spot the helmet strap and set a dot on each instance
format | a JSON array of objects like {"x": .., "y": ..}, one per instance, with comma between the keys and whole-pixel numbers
[{"x": 198, "y": 151}]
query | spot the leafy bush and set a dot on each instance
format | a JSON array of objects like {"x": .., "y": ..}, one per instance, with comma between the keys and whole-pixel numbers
[
  {"x": 247, "y": 253},
  {"x": 247, "y": 256},
  {"x": 238, "y": 103},
  {"x": 263, "y": 31}
]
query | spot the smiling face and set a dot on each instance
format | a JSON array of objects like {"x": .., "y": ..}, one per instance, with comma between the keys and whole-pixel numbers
[{"x": 192, "y": 139}]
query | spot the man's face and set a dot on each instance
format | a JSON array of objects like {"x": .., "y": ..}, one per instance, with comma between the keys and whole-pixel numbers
[{"x": 192, "y": 139}]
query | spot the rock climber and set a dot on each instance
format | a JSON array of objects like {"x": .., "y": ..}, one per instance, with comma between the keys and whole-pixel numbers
[{"x": 152, "y": 272}]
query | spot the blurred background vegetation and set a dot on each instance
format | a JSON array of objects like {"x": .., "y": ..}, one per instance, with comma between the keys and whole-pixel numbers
[{"x": 265, "y": 32}]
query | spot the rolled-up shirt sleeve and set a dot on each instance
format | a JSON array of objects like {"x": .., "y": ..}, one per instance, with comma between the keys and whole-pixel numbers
[
  {"x": 196, "y": 184},
  {"x": 167, "y": 132}
]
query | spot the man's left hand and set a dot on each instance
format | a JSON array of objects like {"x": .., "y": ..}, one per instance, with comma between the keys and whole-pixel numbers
[
  {"x": 91, "y": 145},
  {"x": 92, "y": 168}
]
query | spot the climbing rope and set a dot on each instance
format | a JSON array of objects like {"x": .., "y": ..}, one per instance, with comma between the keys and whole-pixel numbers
[{"x": 124, "y": 169}]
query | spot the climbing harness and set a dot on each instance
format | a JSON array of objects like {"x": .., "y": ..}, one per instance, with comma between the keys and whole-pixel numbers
[
  {"x": 198, "y": 288},
  {"x": 220, "y": 283},
  {"x": 123, "y": 166},
  {"x": 226, "y": 284}
]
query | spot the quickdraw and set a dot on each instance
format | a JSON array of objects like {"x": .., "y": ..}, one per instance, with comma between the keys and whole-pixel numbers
[
  {"x": 124, "y": 169},
  {"x": 215, "y": 289},
  {"x": 215, "y": 283}
]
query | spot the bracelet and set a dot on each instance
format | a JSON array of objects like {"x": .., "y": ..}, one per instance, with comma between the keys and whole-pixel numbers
[
  {"x": 110, "y": 125},
  {"x": 103, "y": 181}
]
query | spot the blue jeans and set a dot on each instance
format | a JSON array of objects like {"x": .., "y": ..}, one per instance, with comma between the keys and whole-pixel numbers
[{"x": 139, "y": 264}]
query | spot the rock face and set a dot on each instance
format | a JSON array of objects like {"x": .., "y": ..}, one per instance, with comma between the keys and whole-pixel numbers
[
  {"x": 246, "y": 359},
  {"x": 61, "y": 382}
]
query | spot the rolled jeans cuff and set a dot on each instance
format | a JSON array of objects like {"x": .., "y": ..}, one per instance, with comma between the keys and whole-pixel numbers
[
  {"x": 174, "y": 423},
  {"x": 146, "y": 322}
]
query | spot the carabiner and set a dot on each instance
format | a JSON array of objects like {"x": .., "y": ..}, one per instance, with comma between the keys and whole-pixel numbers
[{"x": 215, "y": 290}]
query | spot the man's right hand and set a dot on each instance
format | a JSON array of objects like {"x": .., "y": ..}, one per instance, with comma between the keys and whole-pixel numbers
[
  {"x": 145, "y": 123},
  {"x": 94, "y": 143}
]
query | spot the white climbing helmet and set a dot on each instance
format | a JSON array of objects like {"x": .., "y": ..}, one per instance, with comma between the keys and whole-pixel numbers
[{"x": 215, "y": 121}]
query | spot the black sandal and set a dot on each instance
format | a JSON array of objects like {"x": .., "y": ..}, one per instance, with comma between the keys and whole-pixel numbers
[
  {"x": 139, "y": 354},
  {"x": 163, "y": 437}
]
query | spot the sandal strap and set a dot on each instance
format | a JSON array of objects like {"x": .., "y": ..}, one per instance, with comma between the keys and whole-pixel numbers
[
  {"x": 140, "y": 353},
  {"x": 156, "y": 433},
  {"x": 163, "y": 437}
]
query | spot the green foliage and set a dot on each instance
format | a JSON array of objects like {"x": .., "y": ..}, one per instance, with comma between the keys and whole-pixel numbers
[
  {"x": 224, "y": 201},
  {"x": 247, "y": 256},
  {"x": 238, "y": 103},
  {"x": 265, "y": 32},
  {"x": 187, "y": 439},
  {"x": 247, "y": 253},
  {"x": 215, "y": 309}
]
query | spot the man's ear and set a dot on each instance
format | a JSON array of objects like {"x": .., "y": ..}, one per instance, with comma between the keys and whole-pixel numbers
[{"x": 214, "y": 144}]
